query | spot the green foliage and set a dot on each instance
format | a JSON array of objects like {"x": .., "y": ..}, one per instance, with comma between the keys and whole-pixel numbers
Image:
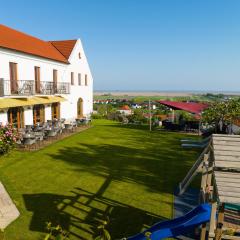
[
  {"x": 97, "y": 116},
  {"x": 8, "y": 138},
  {"x": 105, "y": 109},
  {"x": 137, "y": 116},
  {"x": 185, "y": 115},
  {"x": 225, "y": 111},
  {"x": 148, "y": 235},
  {"x": 103, "y": 233},
  {"x": 55, "y": 233}
]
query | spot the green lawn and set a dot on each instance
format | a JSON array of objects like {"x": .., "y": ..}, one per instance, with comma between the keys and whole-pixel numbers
[{"x": 127, "y": 174}]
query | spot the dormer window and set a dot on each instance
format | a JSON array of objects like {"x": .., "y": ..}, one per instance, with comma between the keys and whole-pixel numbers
[{"x": 79, "y": 55}]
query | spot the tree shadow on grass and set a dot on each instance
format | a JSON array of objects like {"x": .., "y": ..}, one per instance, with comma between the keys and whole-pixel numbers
[
  {"x": 157, "y": 167},
  {"x": 90, "y": 210},
  {"x": 159, "y": 170}
]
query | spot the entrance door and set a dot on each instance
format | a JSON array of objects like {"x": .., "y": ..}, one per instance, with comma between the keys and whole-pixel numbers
[
  {"x": 55, "y": 111},
  {"x": 37, "y": 79},
  {"x": 80, "y": 108},
  {"x": 13, "y": 78},
  {"x": 15, "y": 117}
]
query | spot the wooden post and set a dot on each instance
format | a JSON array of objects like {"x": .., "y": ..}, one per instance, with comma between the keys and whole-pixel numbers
[
  {"x": 220, "y": 222},
  {"x": 212, "y": 224},
  {"x": 150, "y": 116},
  {"x": 203, "y": 231},
  {"x": 204, "y": 173}
]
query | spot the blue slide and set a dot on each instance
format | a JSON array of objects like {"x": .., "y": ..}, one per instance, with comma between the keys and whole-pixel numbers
[{"x": 176, "y": 227}]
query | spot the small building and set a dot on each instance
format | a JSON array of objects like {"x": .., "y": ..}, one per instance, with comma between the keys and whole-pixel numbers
[
  {"x": 126, "y": 110},
  {"x": 136, "y": 106}
]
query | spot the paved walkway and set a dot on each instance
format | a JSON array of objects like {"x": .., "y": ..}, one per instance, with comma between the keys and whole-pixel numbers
[{"x": 8, "y": 210}]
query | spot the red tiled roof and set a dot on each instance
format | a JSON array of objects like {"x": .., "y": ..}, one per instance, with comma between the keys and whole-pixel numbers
[
  {"x": 191, "y": 107},
  {"x": 125, "y": 107},
  {"x": 65, "y": 47},
  {"x": 18, "y": 41}
]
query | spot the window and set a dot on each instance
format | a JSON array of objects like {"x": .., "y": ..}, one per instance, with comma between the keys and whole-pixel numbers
[
  {"x": 86, "y": 80},
  {"x": 72, "y": 78},
  {"x": 16, "y": 117},
  {"x": 13, "y": 77},
  {"x": 79, "y": 79},
  {"x": 79, "y": 55}
]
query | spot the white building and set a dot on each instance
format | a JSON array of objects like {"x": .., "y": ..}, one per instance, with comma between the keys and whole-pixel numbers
[
  {"x": 42, "y": 80},
  {"x": 125, "y": 110}
]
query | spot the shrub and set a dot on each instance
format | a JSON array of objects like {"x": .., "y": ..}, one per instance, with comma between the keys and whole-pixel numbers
[
  {"x": 8, "y": 138},
  {"x": 55, "y": 233},
  {"x": 97, "y": 116}
]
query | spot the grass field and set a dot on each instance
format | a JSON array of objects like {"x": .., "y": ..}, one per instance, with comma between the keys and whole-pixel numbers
[{"x": 126, "y": 174}]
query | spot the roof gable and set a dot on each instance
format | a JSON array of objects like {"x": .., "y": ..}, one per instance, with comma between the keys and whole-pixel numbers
[
  {"x": 65, "y": 47},
  {"x": 18, "y": 41}
]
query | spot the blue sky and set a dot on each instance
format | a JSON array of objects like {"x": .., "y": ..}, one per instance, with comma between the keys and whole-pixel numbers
[{"x": 143, "y": 44}]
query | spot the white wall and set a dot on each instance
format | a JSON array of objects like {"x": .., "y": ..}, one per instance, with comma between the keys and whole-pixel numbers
[
  {"x": 3, "y": 117},
  {"x": 85, "y": 92},
  {"x": 26, "y": 64},
  {"x": 28, "y": 116},
  {"x": 48, "y": 112}
]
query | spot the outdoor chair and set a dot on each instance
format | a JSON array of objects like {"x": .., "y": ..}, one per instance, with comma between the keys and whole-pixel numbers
[
  {"x": 28, "y": 140},
  {"x": 68, "y": 127}
]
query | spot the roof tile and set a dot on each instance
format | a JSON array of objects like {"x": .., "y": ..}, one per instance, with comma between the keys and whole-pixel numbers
[{"x": 18, "y": 41}]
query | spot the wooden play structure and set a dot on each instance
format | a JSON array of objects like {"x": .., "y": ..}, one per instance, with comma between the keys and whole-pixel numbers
[{"x": 219, "y": 165}]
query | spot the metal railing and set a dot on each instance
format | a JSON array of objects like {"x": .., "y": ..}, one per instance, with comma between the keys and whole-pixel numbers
[
  {"x": 30, "y": 87},
  {"x": 16, "y": 88},
  {"x": 62, "y": 88},
  {"x": 44, "y": 88}
]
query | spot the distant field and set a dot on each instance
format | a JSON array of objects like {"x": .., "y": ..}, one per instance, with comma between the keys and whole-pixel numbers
[
  {"x": 146, "y": 94},
  {"x": 138, "y": 97}
]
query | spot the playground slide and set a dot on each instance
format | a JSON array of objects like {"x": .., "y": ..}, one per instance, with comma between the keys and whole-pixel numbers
[{"x": 178, "y": 226}]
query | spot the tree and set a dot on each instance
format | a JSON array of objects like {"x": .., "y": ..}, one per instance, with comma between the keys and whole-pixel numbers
[{"x": 222, "y": 113}]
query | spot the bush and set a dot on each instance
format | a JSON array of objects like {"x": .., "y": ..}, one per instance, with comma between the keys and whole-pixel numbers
[
  {"x": 8, "y": 138},
  {"x": 97, "y": 116}
]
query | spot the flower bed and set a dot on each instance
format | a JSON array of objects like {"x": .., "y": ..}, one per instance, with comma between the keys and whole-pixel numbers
[{"x": 8, "y": 138}]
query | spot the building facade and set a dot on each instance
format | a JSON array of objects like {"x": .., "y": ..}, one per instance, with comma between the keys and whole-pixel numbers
[{"x": 42, "y": 80}]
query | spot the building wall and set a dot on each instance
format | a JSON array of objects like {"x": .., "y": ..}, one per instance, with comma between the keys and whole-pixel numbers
[
  {"x": 77, "y": 66},
  {"x": 28, "y": 115},
  {"x": 48, "y": 112},
  {"x": 3, "y": 117},
  {"x": 26, "y": 64}
]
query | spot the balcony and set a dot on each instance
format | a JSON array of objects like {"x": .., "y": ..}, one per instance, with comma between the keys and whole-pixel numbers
[
  {"x": 62, "y": 88},
  {"x": 30, "y": 87},
  {"x": 16, "y": 88}
]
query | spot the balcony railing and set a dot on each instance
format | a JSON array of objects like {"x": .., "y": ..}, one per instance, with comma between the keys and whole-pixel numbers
[
  {"x": 30, "y": 87},
  {"x": 16, "y": 88},
  {"x": 44, "y": 88},
  {"x": 62, "y": 88}
]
